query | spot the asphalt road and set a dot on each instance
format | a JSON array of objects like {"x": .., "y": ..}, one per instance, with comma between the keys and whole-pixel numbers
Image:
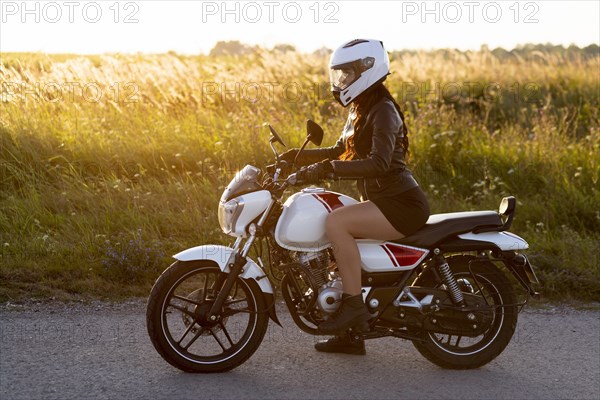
[{"x": 102, "y": 351}]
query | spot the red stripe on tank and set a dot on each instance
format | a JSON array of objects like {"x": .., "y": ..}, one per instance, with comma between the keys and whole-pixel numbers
[
  {"x": 320, "y": 200},
  {"x": 332, "y": 200}
]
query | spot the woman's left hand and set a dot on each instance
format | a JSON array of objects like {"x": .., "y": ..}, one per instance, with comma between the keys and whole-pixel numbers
[{"x": 316, "y": 172}]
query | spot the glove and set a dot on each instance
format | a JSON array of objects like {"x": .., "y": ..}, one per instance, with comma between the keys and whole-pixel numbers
[
  {"x": 289, "y": 156},
  {"x": 315, "y": 173}
]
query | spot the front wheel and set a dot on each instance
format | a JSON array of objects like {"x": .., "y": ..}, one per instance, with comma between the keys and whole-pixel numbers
[
  {"x": 182, "y": 333},
  {"x": 467, "y": 352}
]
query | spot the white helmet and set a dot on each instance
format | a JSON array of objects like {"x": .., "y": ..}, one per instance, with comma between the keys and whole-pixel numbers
[{"x": 356, "y": 66}]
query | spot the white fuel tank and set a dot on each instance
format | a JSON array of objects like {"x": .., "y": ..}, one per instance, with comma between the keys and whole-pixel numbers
[{"x": 301, "y": 226}]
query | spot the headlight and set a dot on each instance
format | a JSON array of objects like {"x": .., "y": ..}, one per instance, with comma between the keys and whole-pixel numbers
[{"x": 229, "y": 213}]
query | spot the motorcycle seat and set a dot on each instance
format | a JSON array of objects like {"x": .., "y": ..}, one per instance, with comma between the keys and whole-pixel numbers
[{"x": 442, "y": 226}]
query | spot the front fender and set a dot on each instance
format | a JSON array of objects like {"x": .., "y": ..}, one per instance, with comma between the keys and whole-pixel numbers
[{"x": 221, "y": 255}]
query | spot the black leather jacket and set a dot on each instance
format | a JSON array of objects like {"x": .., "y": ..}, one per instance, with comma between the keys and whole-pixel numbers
[{"x": 380, "y": 169}]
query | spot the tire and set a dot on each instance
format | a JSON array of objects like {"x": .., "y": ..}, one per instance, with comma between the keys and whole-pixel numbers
[
  {"x": 498, "y": 290},
  {"x": 181, "y": 297}
]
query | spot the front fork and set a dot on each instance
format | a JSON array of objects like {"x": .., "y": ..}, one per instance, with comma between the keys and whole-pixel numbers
[
  {"x": 225, "y": 282},
  {"x": 235, "y": 264}
]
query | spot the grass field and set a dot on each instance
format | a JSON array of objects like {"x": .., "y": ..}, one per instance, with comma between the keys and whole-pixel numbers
[{"x": 109, "y": 164}]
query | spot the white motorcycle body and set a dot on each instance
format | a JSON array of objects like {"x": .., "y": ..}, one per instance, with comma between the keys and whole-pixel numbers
[{"x": 301, "y": 228}]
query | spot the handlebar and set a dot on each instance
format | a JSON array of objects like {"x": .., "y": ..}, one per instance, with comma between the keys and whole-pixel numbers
[
  {"x": 277, "y": 168},
  {"x": 276, "y": 186}
]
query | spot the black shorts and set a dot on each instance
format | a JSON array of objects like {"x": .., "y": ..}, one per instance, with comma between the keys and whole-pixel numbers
[{"x": 407, "y": 212}]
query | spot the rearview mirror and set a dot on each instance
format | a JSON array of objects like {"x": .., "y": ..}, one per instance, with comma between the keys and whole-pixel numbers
[
  {"x": 275, "y": 136},
  {"x": 314, "y": 131}
]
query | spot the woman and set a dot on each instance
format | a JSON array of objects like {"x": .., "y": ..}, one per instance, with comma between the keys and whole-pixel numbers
[{"x": 371, "y": 149}]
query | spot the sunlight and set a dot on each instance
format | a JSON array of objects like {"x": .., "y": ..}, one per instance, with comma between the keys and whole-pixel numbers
[{"x": 187, "y": 27}]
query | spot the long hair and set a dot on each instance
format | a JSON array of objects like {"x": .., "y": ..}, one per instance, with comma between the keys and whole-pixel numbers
[{"x": 361, "y": 107}]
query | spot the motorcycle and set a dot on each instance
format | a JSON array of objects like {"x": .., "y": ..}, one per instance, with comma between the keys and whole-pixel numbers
[{"x": 440, "y": 288}]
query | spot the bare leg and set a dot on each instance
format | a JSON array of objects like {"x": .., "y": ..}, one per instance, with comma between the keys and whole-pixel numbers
[{"x": 363, "y": 220}]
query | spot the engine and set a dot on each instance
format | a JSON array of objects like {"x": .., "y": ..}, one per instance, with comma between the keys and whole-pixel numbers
[
  {"x": 317, "y": 264},
  {"x": 327, "y": 287}
]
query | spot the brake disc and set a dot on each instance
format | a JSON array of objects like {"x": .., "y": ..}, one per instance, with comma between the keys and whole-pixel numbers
[{"x": 198, "y": 297}]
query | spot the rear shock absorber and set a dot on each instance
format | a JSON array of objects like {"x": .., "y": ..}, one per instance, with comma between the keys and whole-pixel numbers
[{"x": 444, "y": 269}]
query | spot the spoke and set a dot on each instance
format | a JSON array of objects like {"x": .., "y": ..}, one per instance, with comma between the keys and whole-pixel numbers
[
  {"x": 196, "y": 336},
  {"x": 217, "y": 339},
  {"x": 205, "y": 287},
  {"x": 189, "y": 328},
  {"x": 186, "y": 299},
  {"x": 226, "y": 333},
  {"x": 232, "y": 311},
  {"x": 183, "y": 310},
  {"x": 449, "y": 340},
  {"x": 457, "y": 340}
]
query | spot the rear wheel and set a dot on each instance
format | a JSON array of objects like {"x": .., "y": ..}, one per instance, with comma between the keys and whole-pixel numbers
[
  {"x": 178, "y": 323},
  {"x": 466, "y": 352}
]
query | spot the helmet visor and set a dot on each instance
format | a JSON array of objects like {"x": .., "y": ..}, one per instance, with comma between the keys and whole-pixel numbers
[
  {"x": 341, "y": 78},
  {"x": 344, "y": 75}
]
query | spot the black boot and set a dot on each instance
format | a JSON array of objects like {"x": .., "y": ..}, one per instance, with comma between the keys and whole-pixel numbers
[
  {"x": 342, "y": 344},
  {"x": 353, "y": 311}
]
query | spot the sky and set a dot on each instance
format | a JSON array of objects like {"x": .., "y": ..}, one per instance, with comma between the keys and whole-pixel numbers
[{"x": 193, "y": 27}]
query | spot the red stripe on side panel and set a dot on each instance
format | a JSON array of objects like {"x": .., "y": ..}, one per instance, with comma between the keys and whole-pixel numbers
[
  {"x": 390, "y": 255},
  {"x": 405, "y": 256}
]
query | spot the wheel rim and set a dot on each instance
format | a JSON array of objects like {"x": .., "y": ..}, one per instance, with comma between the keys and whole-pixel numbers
[
  {"x": 186, "y": 328},
  {"x": 466, "y": 345}
]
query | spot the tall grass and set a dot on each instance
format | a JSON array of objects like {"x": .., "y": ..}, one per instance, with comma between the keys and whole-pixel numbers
[{"x": 110, "y": 163}]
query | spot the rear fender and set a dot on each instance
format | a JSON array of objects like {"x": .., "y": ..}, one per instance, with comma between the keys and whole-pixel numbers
[
  {"x": 509, "y": 244},
  {"x": 505, "y": 241},
  {"x": 221, "y": 255}
]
